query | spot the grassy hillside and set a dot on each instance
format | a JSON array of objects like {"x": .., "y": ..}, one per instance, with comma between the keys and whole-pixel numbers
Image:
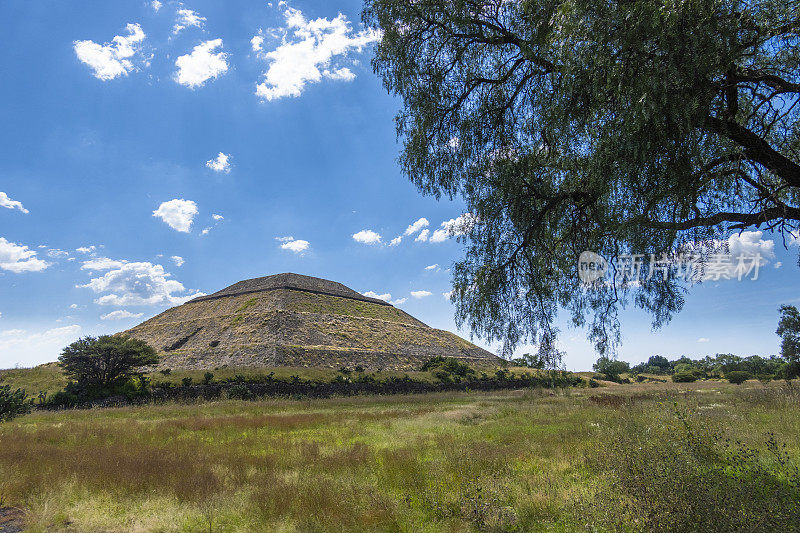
[{"x": 514, "y": 461}]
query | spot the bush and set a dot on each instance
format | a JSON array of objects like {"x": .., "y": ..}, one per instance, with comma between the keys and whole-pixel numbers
[
  {"x": 684, "y": 377},
  {"x": 207, "y": 377},
  {"x": 611, "y": 368},
  {"x": 13, "y": 403},
  {"x": 672, "y": 474},
  {"x": 186, "y": 382},
  {"x": 240, "y": 391},
  {"x": 738, "y": 376},
  {"x": 449, "y": 365}
]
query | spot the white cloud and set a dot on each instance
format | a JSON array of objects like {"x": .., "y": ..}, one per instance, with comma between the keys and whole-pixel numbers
[
  {"x": 778, "y": 264},
  {"x": 18, "y": 258},
  {"x": 399, "y": 301},
  {"x": 454, "y": 227},
  {"x": 55, "y": 253},
  {"x": 178, "y": 214},
  {"x": 8, "y": 203},
  {"x": 19, "y": 347},
  {"x": 86, "y": 249},
  {"x": 186, "y": 18},
  {"x": 295, "y": 245},
  {"x": 111, "y": 60},
  {"x": 397, "y": 240},
  {"x": 448, "y": 295},
  {"x": 156, "y": 5},
  {"x": 178, "y": 260},
  {"x": 416, "y": 226},
  {"x": 310, "y": 50},
  {"x": 432, "y": 267},
  {"x": 372, "y": 294},
  {"x": 138, "y": 284},
  {"x": 749, "y": 243},
  {"x": 203, "y": 64},
  {"x": 703, "y": 339},
  {"x": 284, "y": 239},
  {"x": 101, "y": 263},
  {"x": 205, "y": 231},
  {"x": 217, "y": 217},
  {"x": 367, "y": 236},
  {"x": 222, "y": 163},
  {"x": 73, "y": 306},
  {"x": 257, "y": 43},
  {"x": 423, "y": 236},
  {"x": 120, "y": 315},
  {"x": 420, "y": 294}
]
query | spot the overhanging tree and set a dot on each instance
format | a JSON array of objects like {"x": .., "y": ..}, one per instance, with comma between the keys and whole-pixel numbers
[
  {"x": 98, "y": 364},
  {"x": 619, "y": 127}
]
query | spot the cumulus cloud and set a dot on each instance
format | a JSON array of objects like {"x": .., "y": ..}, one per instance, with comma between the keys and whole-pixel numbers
[
  {"x": 221, "y": 163},
  {"x": 454, "y": 227},
  {"x": 217, "y": 217},
  {"x": 420, "y": 294},
  {"x": 178, "y": 260},
  {"x": 372, "y": 294},
  {"x": 120, "y": 315},
  {"x": 702, "y": 339},
  {"x": 132, "y": 283},
  {"x": 367, "y": 236},
  {"x": 448, "y": 295},
  {"x": 309, "y": 51},
  {"x": 432, "y": 267},
  {"x": 423, "y": 236},
  {"x": 397, "y": 240},
  {"x": 18, "y": 258},
  {"x": 203, "y": 64},
  {"x": 156, "y": 5},
  {"x": 18, "y": 347},
  {"x": 186, "y": 18},
  {"x": 55, "y": 253},
  {"x": 178, "y": 214},
  {"x": 399, "y": 301},
  {"x": 111, "y": 60},
  {"x": 86, "y": 249},
  {"x": 416, "y": 226},
  {"x": 295, "y": 245},
  {"x": 8, "y": 203}
]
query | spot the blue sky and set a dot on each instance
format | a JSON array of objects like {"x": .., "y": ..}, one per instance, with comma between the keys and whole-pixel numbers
[{"x": 128, "y": 128}]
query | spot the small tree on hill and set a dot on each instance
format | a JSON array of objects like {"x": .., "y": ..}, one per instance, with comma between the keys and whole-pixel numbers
[
  {"x": 102, "y": 363},
  {"x": 611, "y": 368}
]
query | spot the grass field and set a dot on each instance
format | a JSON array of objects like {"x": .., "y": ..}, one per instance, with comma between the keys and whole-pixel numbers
[{"x": 512, "y": 461}]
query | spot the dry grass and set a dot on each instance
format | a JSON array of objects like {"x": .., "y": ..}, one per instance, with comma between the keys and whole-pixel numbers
[{"x": 498, "y": 461}]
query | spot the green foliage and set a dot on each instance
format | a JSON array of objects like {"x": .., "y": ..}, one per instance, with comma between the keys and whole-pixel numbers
[
  {"x": 611, "y": 368},
  {"x": 444, "y": 368},
  {"x": 186, "y": 382},
  {"x": 618, "y": 127},
  {"x": 13, "y": 403},
  {"x": 684, "y": 377},
  {"x": 98, "y": 364},
  {"x": 530, "y": 361},
  {"x": 738, "y": 376},
  {"x": 789, "y": 331},
  {"x": 208, "y": 377}
]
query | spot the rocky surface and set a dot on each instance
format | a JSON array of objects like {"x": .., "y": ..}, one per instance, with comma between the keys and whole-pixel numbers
[{"x": 291, "y": 320}]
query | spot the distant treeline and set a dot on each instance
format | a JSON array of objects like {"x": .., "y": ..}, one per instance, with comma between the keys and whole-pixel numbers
[{"x": 713, "y": 366}]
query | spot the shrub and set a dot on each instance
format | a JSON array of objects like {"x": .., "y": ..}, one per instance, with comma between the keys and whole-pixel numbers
[
  {"x": 738, "y": 376},
  {"x": 166, "y": 371},
  {"x": 240, "y": 391},
  {"x": 674, "y": 474},
  {"x": 684, "y": 377},
  {"x": 13, "y": 403},
  {"x": 207, "y": 377},
  {"x": 186, "y": 382},
  {"x": 611, "y": 368},
  {"x": 449, "y": 365}
]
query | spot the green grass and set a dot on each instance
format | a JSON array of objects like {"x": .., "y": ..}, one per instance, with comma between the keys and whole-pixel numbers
[{"x": 511, "y": 461}]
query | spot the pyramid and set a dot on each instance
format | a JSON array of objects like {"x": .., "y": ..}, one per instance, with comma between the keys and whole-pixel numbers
[{"x": 295, "y": 320}]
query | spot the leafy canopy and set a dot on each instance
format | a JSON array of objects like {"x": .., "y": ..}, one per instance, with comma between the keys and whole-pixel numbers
[
  {"x": 101, "y": 363},
  {"x": 572, "y": 125}
]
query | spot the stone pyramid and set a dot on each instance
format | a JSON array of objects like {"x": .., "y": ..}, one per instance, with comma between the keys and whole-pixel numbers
[{"x": 295, "y": 320}]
